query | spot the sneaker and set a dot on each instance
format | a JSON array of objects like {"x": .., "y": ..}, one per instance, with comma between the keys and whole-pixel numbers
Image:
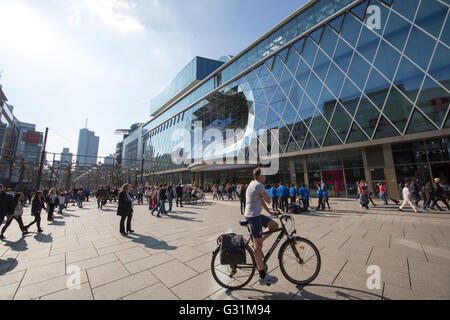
[{"x": 268, "y": 280}]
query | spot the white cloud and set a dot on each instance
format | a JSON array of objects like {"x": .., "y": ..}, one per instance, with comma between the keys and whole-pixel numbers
[{"x": 117, "y": 13}]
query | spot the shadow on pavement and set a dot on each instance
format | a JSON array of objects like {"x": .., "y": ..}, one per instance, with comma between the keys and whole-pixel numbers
[
  {"x": 342, "y": 292},
  {"x": 19, "y": 245},
  {"x": 268, "y": 295},
  {"x": 44, "y": 238},
  {"x": 150, "y": 242},
  {"x": 7, "y": 265},
  {"x": 70, "y": 215},
  {"x": 57, "y": 223},
  {"x": 171, "y": 216}
]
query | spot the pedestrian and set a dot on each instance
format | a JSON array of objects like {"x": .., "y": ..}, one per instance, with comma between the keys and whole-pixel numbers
[
  {"x": 363, "y": 191},
  {"x": 320, "y": 203},
  {"x": 325, "y": 199},
  {"x": 37, "y": 204},
  {"x": 293, "y": 194},
  {"x": 243, "y": 197},
  {"x": 414, "y": 188},
  {"x": 179, "y": 195},
  {"x": 125, "y": 210},
  {"x": 304, "y": 197},
  {"x": 6, "y": 204},
  {"x": 383, "y": 192},
  {"x": 61, "y": 202},
  {"x": 214, "y": 192},
  {"x": 407, "y": 198},
  {"x": 428, "y": 195},
  {"x": 162, "y": 195},
  {"x": 170, "y": 197},
  {"x": 438, "y": 195},
  {"x": 52, "y": 201},
  {"x": 273, "y": 193},
  {"x": 19, "y": 201}
]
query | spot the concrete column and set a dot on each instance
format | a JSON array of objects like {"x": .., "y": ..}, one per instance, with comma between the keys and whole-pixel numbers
[
  {"x": 292, "y": 171},
  {"x": 367, "y": 172},
  {"x": 389, "y": 172},
  {"x": 305, "y": 172}
]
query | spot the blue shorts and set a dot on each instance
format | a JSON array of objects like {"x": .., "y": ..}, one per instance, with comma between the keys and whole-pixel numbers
[{"x": 256, "y": 225}]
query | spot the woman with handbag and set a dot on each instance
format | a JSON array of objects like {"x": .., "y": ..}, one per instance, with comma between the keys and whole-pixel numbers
[
  {"x": 125, "y": 209},
  {"x": 37, "y": 204}
]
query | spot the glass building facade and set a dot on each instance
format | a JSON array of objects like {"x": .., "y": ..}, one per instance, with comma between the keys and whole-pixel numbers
[{"x": 357, "y": 89}]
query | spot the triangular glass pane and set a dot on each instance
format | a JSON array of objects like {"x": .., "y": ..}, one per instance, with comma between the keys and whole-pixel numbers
[
  {"x": 299, "y": 131},
  {"x": 321, "y": 65},
  {"x": 356, "y": 135},
  {"x": 329, "y": 41},
  {"x": 295, "y": 95},
  {"x": 318, "y": 127},
  {"x": 343, "y": 55},
  {"x": 273, "y": 119},
  {"x": 258, "y": 125},
  {"x": 286, "y": 81},
  {"x": 359, "y": 70},
  {"x": 316, "y": 35},
  {"x": 433, "y": 101},
  {"x": 279, "y": 95},
  {"x": 259, "y": 96},
  {"x": 277, "y": 69},
  {"x": 341, "y": 121},
  {"x": 367, "y": 117},
  {"x": 284, "y": 135},
  {"x": 388, "y": 2},
  {"x": 385, "y": 129},
  {"x": 377, "y": 88},
  {"x": 409, "y": 79},
  {"x": 299, "y": 45},
  {"x": 261, "y": 112},
  {"x": 292, "y": 61},
  {"x": 387, "y": 60},
  {"x": 278, "y": 107},
  {"x": 419, "y": 124},
  {"x": 283, "y": 54},
  {"x": 269, "y": 62},
  {"x": 360, "y": 10},
  {"x": 326, "y": 103},
  {"x": 335, "y": 79},
  {"x": 336, "y": 23},
  {"x": 302, "y": 75},
  {"x": 309, "y": 51},
  {"x": 269, "y": 92},
  {"x": 331, "y": 139},
  {"x": 398, "y": 109},
  {"x": 306, "y": 110},
  {"x": 289, "y": 114},
  {"x": 350, "y": 29},
  {"x": 310, "y": 143},
  {"x": 292, "y": 145}
]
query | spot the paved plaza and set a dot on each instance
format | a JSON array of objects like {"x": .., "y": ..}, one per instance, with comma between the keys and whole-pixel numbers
[{"x": 169, "y": 258}]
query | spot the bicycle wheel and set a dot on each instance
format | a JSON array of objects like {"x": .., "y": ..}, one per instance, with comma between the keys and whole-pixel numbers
[
  {"x": 235, "y": 276},
  {"x": 299, "y": 271}
]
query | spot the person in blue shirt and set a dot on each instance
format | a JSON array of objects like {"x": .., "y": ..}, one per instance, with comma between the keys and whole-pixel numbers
[
  {"x": 325, "y": 199},
  {"x": 320, "y": 197},
  {"x": 273, "y": 193},
  {"x": 293, "y": 194},
  {"x": 283, "y": 197},
  {"x": 303, "y": 193}
]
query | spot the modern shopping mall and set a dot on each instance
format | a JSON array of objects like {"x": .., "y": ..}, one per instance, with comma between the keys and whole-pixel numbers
[{"x": 357, "y": 89}]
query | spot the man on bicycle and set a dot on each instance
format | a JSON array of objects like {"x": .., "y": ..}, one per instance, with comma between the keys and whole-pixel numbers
[{"x": 256, "y": 199}]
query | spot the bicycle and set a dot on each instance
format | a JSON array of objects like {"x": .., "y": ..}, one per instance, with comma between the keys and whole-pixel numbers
[{"x": 295, "y": 252}]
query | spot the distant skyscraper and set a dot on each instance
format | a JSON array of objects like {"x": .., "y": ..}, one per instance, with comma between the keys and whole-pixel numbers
[
  {"x": 66, "y": 156},
  {"x": 87, "y": 148},
  {"x": 109, "y": 160}
]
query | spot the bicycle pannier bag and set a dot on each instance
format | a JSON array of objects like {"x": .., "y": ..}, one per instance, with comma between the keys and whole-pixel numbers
[{"x": 232, "y": 249}]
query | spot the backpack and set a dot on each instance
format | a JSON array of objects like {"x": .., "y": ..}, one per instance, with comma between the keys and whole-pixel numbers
[{"x": 232, "y": 249}]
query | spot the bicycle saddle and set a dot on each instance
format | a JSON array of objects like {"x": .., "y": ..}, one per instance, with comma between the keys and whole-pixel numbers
[{"x": 243, "y": 223}]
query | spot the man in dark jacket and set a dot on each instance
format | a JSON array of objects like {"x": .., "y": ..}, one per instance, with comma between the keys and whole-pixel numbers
[
  {"x": 179, "y": 193},
  {"x": 414, "y": 189},
  {"x": 6, "y": 204},
  {"x": 438, "y": 195},
  {"x": 125, "y": 210}
]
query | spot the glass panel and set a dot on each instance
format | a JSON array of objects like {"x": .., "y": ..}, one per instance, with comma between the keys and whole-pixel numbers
[
  {"x": 440, "y": 66},
  {"x": 323, "y": 9},
  {"x": 335, "y": 79},
  {"x": 277, "y": 68},
  {"x": 306, "y": 20},
  {"x": 302, "y": 75},
  {"x": 351, "y": 177},
  {"x": 431, "y": 16},
  {"x": 377, "y": 88},
  {"x": 356, "y": 135},
  {"x": 341, "y": 122},
  {"x": 445, "y": 36},
  {"x": 286, "y": 82},
  {"x": 434, "y": 101},
  {"x": 407, "y": 8},
  {"x": 343, "y": 55},
  {"x": 321, "y": 65},
  {"x": 316, "y": 35},
  {"x": 360, "y": 10},
  {"x": 290, "y": 30},
  {"x": 359, "y": 71},
  {"x": 284, "y": 53},
  {"x": 318, "y": 127},
  {"x": 326, "y": 104},
  {"x": 387, "y": 60},
  {"x": 292, "y": 146},
  {"x": 385, "y": 130},
  {"x": 438, "y": 150},
  {"x": 331, "y": 139},
  {"x": 352, "y": 158},
  {"x": 368, "y": 44},
  {"x": 397, "y": 31},
  {"x": 299, "y": 45},
  {"x": 295, "y": 95},
  {"x": 292, "y": 61},
  {"x": 419, "y": 124},
  {"x": 313, "y": 88},
  {"x": 329, "y": 40},
  {"x": 306, "y": 110},
  {"x": 367, "y": 117},
  {"x": 407, "y": 153},
  {"x": 350, "y": 29},
  {"x": 336, "y": 23},
  {"x": 397, "y": 109},
  {"x": 310, "y": 143},
  {"x": 289, "y": 115},
  {"x": 309, "y": 51},
  {"x": 299, "y": 131},
  {"x": 410, "y": 172},
  {"x": 341, "y": 4},
  {"x": 349, "y": 94},
  {"x": 409, "y": 79},
  {"x": 420, "y": 47}
]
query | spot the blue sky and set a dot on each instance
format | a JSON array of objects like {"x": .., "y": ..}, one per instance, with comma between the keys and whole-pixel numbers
[{"x": 65, "y": 61}]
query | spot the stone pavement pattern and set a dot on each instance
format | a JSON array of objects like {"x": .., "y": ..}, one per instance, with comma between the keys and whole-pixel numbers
[{"x": 169, "y": 258}]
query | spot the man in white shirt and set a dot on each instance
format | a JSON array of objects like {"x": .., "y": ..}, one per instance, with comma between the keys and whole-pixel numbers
[
  {"x": 407, "y": 199},
  {"x": 256, "y": 199}
]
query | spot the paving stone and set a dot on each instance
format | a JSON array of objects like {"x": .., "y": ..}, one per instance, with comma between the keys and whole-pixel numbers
[
  {"x": 106, "y": 273},
  {"x": 43, "y": 273},
  {"x": 173, "y": 273},
  {"x": 132, "y": 254},
  {"x": 95, "y": 262},
  {"x": 155, "y": 292},
  {"x": 84, "y": 293},
  {"x": 148, "y": 262},
  {"x": 185, "y": 253},
  {"x": 197, "y": 288},
  {"x": 74, "y": 256}
]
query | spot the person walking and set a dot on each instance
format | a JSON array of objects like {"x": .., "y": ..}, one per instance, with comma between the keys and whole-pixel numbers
[
  {"x": 242, "y": 194},
  {"x": 162, "y": 195},
  {"x": 170, "y": 197},
  {"x": 293, "y": 194},
  {"x": 61, "y": 202},
  {"x": 52, "y": 201},
  {"x": 383, "y": 192},
  {"x": 37, "y": 204},
  {"x": 407, "y": 198},
  {"x": 19, "y": 202},
  {"x": 325, "y": 199},
  {"x": 428, "y": 195},
  {"x": 363, "y": 191},
  {"x": 273, "y": 193},
  {"x": 320, "y": 203},
  {"x": 438, "y": 195},
  {"x": 125, "y": 210},
  {"x": 414, "y": 188},
  {"x": 179, "y": 195},
  {"x": 214, "y": 192},
  {"x": 6, "y": 204}
]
